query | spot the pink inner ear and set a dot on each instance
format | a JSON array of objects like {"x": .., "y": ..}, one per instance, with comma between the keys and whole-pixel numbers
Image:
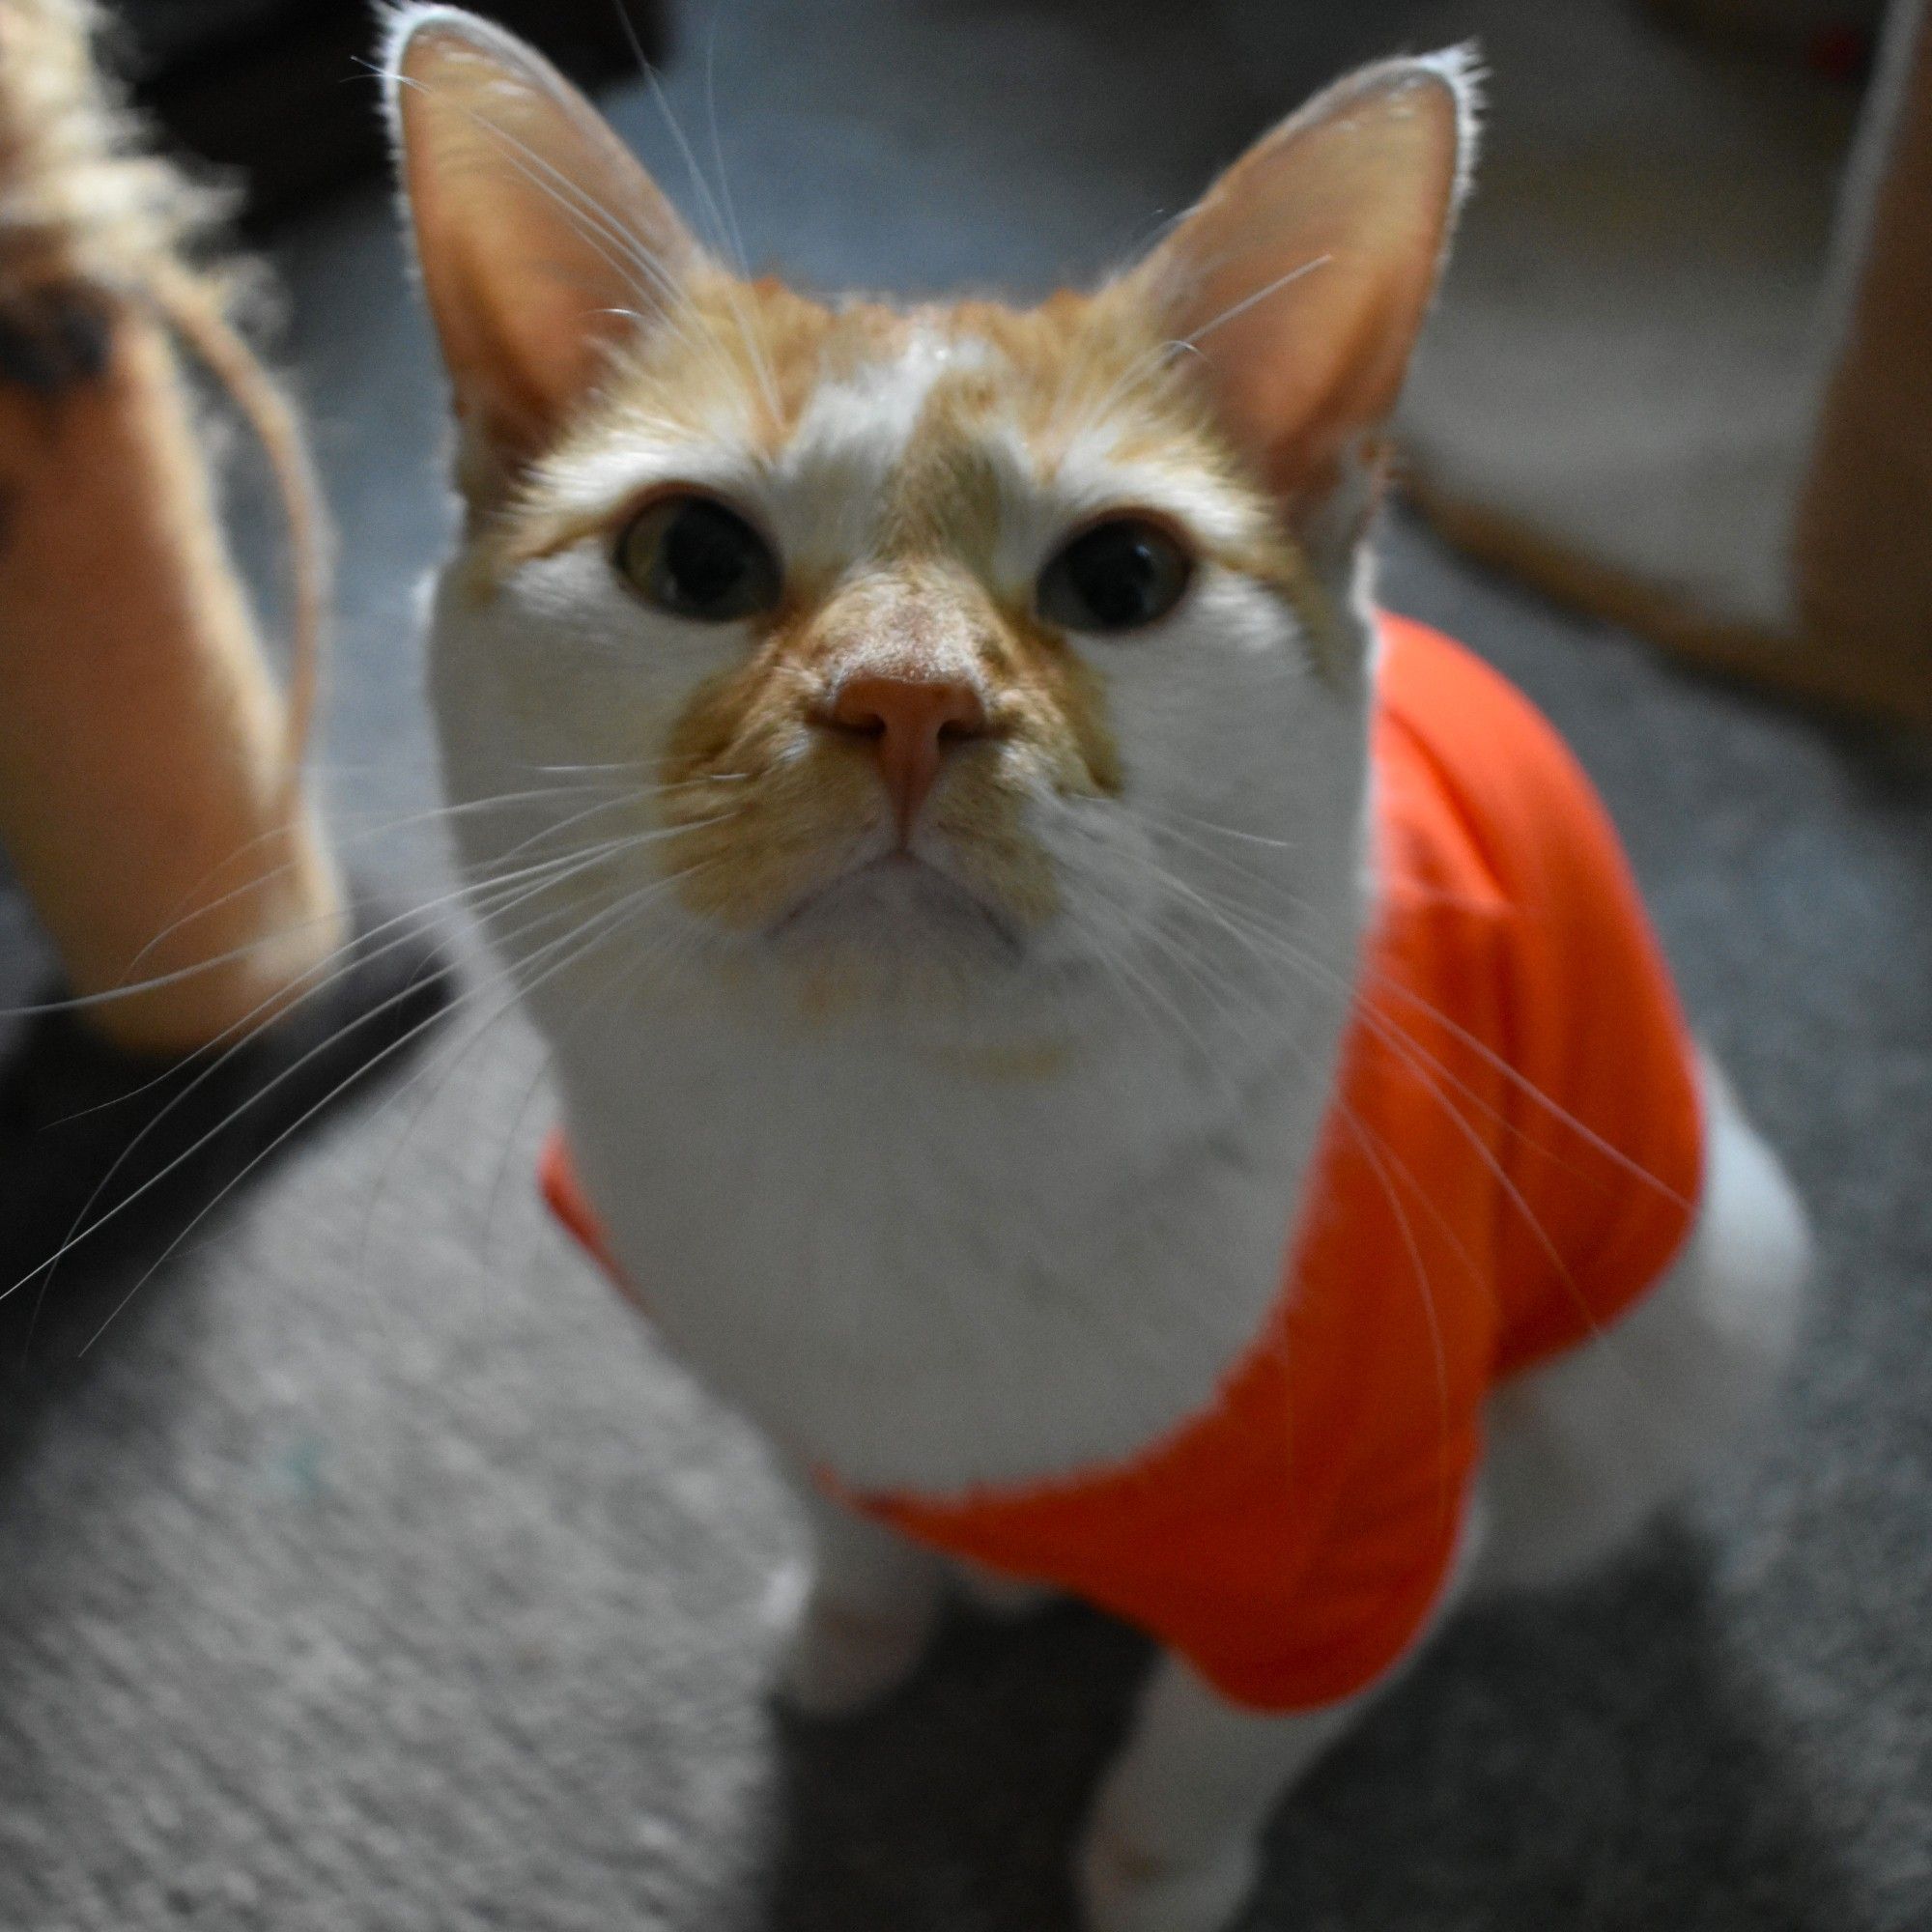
[
  {"x": 1303, "y": 278},
  {"x": 541, "y": 240}
]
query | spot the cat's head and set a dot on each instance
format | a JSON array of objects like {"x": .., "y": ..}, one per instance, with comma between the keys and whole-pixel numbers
[{"x": 927, "y": 658}]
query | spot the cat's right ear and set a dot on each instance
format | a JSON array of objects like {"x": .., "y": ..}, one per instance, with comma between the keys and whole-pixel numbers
[
  {"x": 1300, "y": 281},
  {"x": 542, "y": 243}
]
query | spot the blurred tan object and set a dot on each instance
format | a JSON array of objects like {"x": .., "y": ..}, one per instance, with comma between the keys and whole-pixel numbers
[
  {"x": 150, "y": 778},
  {"x": 1863, "y": 538},
  {"x": 1622, "y": 392}
]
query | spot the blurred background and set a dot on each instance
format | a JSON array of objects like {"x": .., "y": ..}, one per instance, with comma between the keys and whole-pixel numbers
[{"x": 373, "y": 1571}]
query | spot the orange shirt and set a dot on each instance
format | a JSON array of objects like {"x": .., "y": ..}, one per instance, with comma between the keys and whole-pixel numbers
[{"x": 1512, "y": 1157}]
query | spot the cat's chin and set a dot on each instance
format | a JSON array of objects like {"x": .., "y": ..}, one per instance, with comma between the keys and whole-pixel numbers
[
  {"x": 900, "y": 943},
  {"x": 898, "y": 912}
]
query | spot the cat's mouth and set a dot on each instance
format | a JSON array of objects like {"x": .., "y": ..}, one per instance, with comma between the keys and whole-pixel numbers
[{"x": 897, "y": 898}]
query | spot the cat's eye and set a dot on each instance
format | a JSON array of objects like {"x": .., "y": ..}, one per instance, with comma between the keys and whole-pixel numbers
[
  {"x": 1116, "y": 575},
  {"x": 694, "y": 557}
]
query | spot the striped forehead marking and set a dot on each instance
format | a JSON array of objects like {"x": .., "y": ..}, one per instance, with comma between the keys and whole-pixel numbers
[
  {"x": 859, "y": 421},
  {"x": 856, "y": 450}
]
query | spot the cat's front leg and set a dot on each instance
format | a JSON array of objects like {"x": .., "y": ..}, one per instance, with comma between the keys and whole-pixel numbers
[
  {"x": 864, "y": 1615},
  {"x": 1174, "y": 1842}
]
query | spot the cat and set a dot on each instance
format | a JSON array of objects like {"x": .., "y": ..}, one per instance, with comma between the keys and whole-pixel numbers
[{"x": 1028, "y": 889}]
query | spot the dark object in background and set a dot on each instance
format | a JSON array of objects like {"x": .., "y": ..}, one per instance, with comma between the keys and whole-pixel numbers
[
  {"x": 118, "y": 1156},
  {"x": 278, "y": 89}
]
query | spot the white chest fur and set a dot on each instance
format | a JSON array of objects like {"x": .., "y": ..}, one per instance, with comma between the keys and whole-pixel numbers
[{"x": 922, "y": 1280}]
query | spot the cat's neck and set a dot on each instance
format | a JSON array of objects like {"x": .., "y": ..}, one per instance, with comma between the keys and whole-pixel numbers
[{"x": 922, "y": 1270}]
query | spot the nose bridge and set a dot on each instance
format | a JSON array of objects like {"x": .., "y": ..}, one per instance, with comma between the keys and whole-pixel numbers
[{"x": 917, "y": 627}]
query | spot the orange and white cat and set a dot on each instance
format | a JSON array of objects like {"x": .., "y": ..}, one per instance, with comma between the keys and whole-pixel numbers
[{"x": 947, "y": 985}]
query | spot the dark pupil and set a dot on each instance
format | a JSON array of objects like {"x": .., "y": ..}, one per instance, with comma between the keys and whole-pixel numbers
[
  {"x": 707, "y": 554},
  {"x": 1117, "y": 573}
]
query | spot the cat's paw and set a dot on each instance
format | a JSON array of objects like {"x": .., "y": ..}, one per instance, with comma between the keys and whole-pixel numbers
[
  {"x": 842, "y": 1657},
  {"x": 1123, "y": 1888}
]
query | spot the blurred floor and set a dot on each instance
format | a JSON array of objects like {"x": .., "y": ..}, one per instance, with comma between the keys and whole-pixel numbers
[{"x": 375, "y": 1573}]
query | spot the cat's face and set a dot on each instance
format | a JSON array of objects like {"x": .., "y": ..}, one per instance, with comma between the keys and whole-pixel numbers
[
  {"x": 873, "y": 659},
  {"x": 941, "y": 649}
]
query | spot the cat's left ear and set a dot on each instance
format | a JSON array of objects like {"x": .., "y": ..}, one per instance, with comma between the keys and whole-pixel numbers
[
  {"x": 542, "y": 241},
  {"x": 1302, "y": 278}
]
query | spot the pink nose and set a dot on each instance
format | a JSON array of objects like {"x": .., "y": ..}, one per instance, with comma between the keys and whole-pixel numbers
[{"x": 911, "y": 720}]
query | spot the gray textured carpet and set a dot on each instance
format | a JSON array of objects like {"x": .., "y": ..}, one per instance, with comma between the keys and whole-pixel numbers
[{"x": 374, "y": 1573}]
